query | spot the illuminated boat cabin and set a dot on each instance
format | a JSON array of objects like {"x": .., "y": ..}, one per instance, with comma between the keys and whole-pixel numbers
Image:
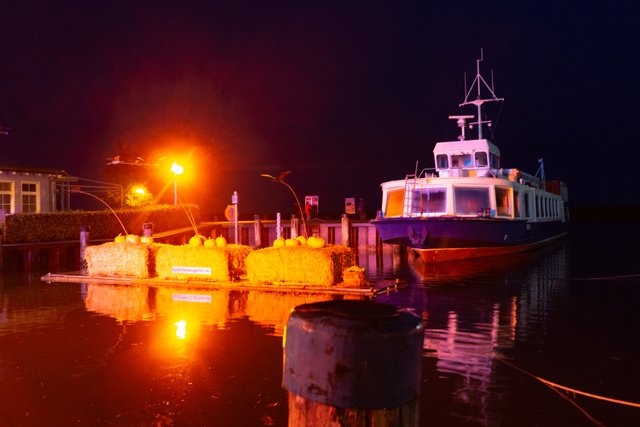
[{"x": 469, "y": 182}]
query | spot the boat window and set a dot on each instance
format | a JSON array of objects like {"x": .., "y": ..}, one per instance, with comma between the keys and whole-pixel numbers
[
  {"x": 394, "y": 203},
  {"x": 503, "y": 207},
  {"x": 430, "y": 200},
  {"x": 537, "y": 206},
  {"x": 481, "y": 159},
  {"x": 470, "y": 201},
  {"x": 546, "y": 207},
  {"x": 527, "y": 210},
  {"x": 461, "y": 160},
  {"x": 494, "y": 161},
  {"x": 516, "y": 203},
  {"x": 442, "y": 161}
]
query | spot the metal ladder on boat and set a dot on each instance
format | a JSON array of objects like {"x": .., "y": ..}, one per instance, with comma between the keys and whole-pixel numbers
[{"x": 409, "y": 187}]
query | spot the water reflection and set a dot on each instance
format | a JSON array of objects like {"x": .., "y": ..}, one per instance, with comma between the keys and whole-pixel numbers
[
  {"x": 139, "y": 355},
  {"x": 191, "y": 307},
  {"x": 476, "y": 311}
]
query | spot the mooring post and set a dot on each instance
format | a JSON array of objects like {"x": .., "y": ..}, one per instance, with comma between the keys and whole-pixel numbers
[
  {"x": 345, "y": 230},
  {"x": 349, "y": 363},
  {"x": 84, "y": 241},
  {"x": 294, "y": 226},
  {"x": 257, "y": 231}
]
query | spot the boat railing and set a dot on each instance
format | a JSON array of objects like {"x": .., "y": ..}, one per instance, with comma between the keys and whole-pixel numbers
[{"x": 427, "y": 173}]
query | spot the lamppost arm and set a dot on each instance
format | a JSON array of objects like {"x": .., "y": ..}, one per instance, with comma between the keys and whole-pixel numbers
[{"x": 273, "y": 178}]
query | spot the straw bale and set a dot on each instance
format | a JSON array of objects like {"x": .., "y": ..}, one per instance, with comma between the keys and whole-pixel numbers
[
  {"x": 121, "y": 259},
  {"x": 193, "y": 305},
  {"x": 354, "y": 277},
  {"x": 129, "y": 303},
  {"x": 192, "y": 262},
  {"x": 298, "y": 264},
  {"x": 237, "y": 255}
]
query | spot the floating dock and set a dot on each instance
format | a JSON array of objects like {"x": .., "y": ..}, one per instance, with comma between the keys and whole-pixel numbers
[{"x": 243, "y": 285}]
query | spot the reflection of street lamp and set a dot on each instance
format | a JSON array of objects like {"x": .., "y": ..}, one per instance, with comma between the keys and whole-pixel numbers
[
  {"x": 177, "y": 170},
  {"x": 280, "y": 179}
]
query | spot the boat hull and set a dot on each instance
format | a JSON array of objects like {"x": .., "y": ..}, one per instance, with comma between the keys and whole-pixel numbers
[{"x": 453, "y": 238}]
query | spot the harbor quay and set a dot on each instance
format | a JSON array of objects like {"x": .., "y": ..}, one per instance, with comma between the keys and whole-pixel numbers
[{"x": 358, "y": 234}]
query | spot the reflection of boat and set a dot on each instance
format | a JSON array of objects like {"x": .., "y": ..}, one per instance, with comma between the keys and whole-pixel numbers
[{"x": 469, "y": 206}]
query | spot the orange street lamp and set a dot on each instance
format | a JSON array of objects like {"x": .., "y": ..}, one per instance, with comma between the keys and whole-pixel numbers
[{"x": 177, "y": 170}]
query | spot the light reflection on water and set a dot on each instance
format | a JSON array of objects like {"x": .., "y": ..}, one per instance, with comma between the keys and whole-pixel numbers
[{"x": 98, "y": 354}]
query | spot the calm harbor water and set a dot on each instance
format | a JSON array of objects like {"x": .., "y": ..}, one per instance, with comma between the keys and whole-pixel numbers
[{"x": 73, "y": 354}]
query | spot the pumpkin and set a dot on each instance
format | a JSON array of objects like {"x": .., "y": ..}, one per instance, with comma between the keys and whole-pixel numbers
[
  {"x": 132, "y": 238},
  {"x": 195, "y": 241},
  {"x": 315, "y": 242},
  {"x": 291, "y": 242}
]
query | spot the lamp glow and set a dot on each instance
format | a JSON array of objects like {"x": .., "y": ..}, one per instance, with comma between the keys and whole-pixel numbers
[{"x": 181, "y": 329}]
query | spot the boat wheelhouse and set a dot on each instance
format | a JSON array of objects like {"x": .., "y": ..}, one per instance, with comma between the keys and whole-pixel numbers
[{"x": 469, "y": 206}]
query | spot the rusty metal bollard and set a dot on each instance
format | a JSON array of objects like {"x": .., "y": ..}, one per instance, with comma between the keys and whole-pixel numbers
[{"x": 352, "y": 363}]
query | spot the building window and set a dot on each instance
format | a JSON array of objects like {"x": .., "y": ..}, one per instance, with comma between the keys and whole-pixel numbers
[
  {"x": 6, "y": 196},
  {"x": 29, "y": 197}
]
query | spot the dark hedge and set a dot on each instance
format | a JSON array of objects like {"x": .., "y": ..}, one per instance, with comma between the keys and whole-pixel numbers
[{"x": 61, "y": 226}]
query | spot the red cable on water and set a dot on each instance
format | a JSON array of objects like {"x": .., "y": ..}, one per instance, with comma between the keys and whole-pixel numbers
[{"x": 573, "y": 390}]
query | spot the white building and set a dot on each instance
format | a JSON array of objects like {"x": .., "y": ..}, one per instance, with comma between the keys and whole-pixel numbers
[{"x": 31, "y": 190}]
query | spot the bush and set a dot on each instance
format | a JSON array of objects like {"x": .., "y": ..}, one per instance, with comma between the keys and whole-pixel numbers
[{"x": 61, "y": 226}]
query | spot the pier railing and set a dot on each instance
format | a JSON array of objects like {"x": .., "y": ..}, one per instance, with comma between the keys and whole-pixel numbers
[{"x": 256, "y": 234}]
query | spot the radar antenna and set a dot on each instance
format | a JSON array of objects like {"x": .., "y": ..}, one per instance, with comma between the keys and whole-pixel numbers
[
  {"x": 479, "y": 82},
  {"x": 462, "y": 124}
]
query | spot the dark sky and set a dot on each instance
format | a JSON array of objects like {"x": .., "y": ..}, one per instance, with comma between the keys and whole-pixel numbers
[{"x": 344, "y": 94}]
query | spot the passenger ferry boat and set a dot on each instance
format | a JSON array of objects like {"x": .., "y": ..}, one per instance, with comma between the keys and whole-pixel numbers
[{"x": 469, "y": 206}]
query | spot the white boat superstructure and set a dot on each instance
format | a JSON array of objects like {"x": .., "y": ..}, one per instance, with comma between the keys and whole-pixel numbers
[{"x": 469, "y": 200}]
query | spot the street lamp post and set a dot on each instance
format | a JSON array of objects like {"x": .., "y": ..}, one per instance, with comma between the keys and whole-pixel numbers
[
  {"x": 280, "y": 179},
  {"x": 177, "y": 170}
]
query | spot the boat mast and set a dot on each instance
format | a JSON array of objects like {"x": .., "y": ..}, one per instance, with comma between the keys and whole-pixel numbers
[{"x": 478, "y": 83}]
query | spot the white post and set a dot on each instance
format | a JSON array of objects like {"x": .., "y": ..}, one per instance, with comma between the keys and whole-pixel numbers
[
  {"x": 345, "y": 230},
  {"x": 294, "y": 226},
  {"x": 234, "y": 200},
  {"x": 84, "y": 241}
]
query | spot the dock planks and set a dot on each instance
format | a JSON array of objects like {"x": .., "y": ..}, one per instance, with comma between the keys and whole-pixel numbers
[{"x": 77, "y": 277}]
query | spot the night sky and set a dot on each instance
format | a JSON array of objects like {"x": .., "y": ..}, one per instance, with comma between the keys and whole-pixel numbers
[{"x": 344, "y": 94}]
